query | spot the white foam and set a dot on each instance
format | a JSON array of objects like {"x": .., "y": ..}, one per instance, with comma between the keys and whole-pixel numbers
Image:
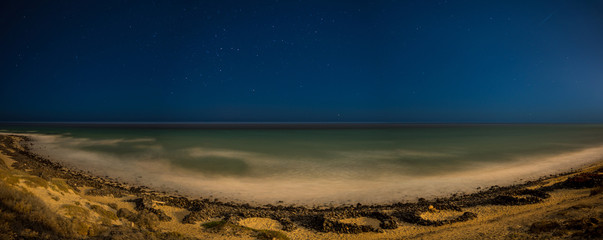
[{"x": 205, "y": 152}]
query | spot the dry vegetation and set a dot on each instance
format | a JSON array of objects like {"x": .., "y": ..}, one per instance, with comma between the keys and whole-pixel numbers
[
  {"x": 24, "y": 215},
  {"x": 25, "y": 212}
]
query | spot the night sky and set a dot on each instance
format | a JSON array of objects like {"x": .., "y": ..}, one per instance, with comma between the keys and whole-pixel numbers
[{"x": 306, "y": 61}]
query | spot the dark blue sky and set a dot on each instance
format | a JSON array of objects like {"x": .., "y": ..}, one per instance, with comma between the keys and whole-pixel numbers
[{"x": 384, "y": 61}]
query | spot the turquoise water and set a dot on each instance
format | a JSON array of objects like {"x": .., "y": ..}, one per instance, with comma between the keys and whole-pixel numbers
[{"x": 321, "y": 165}]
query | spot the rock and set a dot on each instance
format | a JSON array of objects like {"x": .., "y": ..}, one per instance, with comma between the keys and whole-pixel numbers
[
  {"x": 146, "y": 204},
  {"x": 143, "y": 203},
  {"x": 160, "y": 214},
  {"x": 288, "y": 225},
  {"x": 465, "y": 217},
  {"x": 147, "y": 219},
  {"x": 410, "y": 217},
  {"x": 596, "y": 191},
  {"x": 510, "y": 200},
  {"x": 544, "y": 226},
  {"x": 387, "y": 221},
  {"x": 125, "y": 213},
  {"x": 325, "y": 224},
  {"x": 581, "y": 224},
  {"x": 595, "y": 232},
  {"x": 232, "y": 218},
  {"x": 584, "y": 180},
  {"x": 195, "y": 216},
  {"x": 415, "y": 217},
  {"x": 112, "y": 205},
  {"x": 104, "y": 191},
  {"x": 535, "y": 192},
  {"x": 446, "y": 205},
  {"x": 388, "y": 224}
]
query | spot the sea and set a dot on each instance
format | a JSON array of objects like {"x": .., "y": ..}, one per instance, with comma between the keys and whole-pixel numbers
[{"x": 316, "y": 164}]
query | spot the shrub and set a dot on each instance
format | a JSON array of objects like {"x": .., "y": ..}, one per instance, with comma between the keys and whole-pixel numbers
[
  {"x": 22, "y": 211},
  {"x": 270, "y": 234},
  {"x": 75, "y": 211},
  {"x": 214, "y": 224},
  {"x": 60, "y": 185},
  {"x": 7, "y": 177},
  {"x": 33, "y": 181},
  {"x": 103, "y": 212},
  {"x": 112, "y": 205},
  {"x": 146, "y": 219},
  {"x": 125, "y": 213},
  {"x": 106, "y": 215}
]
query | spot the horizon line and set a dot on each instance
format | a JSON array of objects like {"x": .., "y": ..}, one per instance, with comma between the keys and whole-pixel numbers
[{"x": 279, "y": 123}]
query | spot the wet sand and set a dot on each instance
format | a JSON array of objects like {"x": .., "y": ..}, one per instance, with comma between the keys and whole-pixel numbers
[{"x": 42, "y": 199}]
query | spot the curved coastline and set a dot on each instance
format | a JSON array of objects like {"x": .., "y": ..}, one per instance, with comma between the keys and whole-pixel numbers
[
  {"x": 298, "y": 220},
  {"x": 310, "y": 184}
]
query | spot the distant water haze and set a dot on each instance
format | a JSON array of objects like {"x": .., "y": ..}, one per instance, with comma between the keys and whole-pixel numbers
[{"x": 310, "y": 166}]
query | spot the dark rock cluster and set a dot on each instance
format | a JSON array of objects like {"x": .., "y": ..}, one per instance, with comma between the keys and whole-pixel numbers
[
  {"x": 147, "y": 204},
  {"x": 584, "y": 228}
]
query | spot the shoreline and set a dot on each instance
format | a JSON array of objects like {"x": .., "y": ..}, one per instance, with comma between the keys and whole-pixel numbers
[
  {"x": 323, "y": 186},
  {"x": 207, "y": 218}
]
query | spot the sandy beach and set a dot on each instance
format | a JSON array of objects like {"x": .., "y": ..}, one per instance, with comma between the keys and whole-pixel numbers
[{"x": 40, "y": 199}]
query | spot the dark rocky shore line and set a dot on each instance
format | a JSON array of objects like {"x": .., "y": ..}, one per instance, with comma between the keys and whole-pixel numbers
[{"x": 319, "y": 219}]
